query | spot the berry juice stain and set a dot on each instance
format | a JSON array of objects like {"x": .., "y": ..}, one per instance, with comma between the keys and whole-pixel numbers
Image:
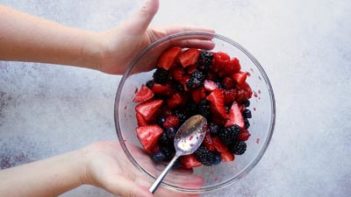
[
  {"x": 259, "y": 91},
  {"x": 257, "y": 140},
  {"x": 259, "y": 78},
  {"x": 248, "y": 74},
  {"x": 125, "y": 107},
  {"x": 255, "y": 94},
  {"x": 252, "y": 70},
  {"x": 254, "y": 108}
]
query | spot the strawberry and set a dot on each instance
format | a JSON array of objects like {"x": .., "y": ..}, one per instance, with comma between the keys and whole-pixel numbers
[
  {"x": 222, "y": 149},
  {"x": 171, "y": 121},
  {"x": 161, "y": 89},
  {"x": 191, "y": 69},
  {"x": 168, "y": 58},
  {"x": 144, "y": 94},
  {"x": 216, "y": 99},
  {"x": 140, "y": 120},
  {"x": 174, "y": 101},
  {"x": 208, "y": 142},
  {"x": 198, "y": 94},
  {"x": 235, "y": 116},
  {"x": 210, "y": 85},
  {"x": 228, "y": 83},
  {"x": 220, "y": 60},
  {"x": 189, "y": 161},
  {"x": 240, "y": 77},
  {"x": 189, "y": 57},
  {"x": 244, "y": 92},
  {"x": 229, "y": 96},
  {"x": 177, "y": 74},
  {"x": 244, "y": 135},
  {"x": 148, "y": 136},
  {"x": 149, "y": 109},
  {"x": 232, "y": 66}
]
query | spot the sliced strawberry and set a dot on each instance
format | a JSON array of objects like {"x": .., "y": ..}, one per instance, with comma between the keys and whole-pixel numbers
[
  {"x": 231, "y": 67},
  {"x": 210, "y": 85},
  {"x": 222, "y": 149},
  {"x": 148, "y": 136},
  {"x": 175, "y": 100},
  {"x": 144, "y": 94},
  {"x": 149, "y": 109},
  {"x": 244, "y": 135},
  {"x": 140, "y": 120},
  {"x": 228, "y": 83},
  {"x": 168, "y": 57},
  {"x": 208, "y": 142},
  {"x": 220, "y": 60},
  {"x": 216, "y": 99},
  {"x": 189, "y": 57},
  {"x": 229, "y": 96},
  {"x": 177, "y": 74},
  {"x": 189, "y": 161},
  {"x": 235, "y": 116},
  {"x": 240, "y": 77},
  {"x": 198, "y": 94},
  {"x": 171, "y": 121},
  {"x": 161, "y": 89},
  {"x": 191, "y": 69}
]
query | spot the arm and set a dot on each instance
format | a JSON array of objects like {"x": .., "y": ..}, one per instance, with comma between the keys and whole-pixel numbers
[
  {"x": 28, "y": 38},
  {"x": 102, "y": 164}
]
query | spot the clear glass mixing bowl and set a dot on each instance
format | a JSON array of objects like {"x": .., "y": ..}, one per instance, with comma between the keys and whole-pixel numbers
[{"x": 202, "y": 179}]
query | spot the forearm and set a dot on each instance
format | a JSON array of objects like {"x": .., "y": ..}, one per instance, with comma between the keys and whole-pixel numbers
[
  {"x": 49, "y": 177},
  {"x": 28, "y": 38}
]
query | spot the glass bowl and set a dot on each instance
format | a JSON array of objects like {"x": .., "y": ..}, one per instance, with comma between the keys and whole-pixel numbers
[{"x": 201, "y": 179}]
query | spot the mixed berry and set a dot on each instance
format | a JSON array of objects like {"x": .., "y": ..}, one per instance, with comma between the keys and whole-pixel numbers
[{"x": 188, "y": 82}]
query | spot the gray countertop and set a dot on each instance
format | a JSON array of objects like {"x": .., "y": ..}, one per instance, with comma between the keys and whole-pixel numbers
[{"x": 304, "y": 46}]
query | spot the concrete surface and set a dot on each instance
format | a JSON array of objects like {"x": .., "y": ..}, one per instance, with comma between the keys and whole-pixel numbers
[{"x": 305, "y": 47}]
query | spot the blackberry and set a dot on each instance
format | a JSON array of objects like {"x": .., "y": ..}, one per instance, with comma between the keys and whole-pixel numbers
[
  {"x": 170, "y": 132},
  {"x": 196, "y": 80},
  {"x": 150, "y": 83},
  {"x": 247, "y": 113},
  {"x": 217, "y": 159},
  {"x": 161, "y": 75},
  {"x": 205, "y": 156},
  {"x": 158, "y": 157},
  {"x": 247, "y": 123},
  {"x": 238, "y": 148},
  {"x": 177, "y": 86},
  {"x": 168, "y": 151},
  {"x": 190, "y": 109},
  {"x": 163, "y": 140},
  {"x": 219, "y": 85},
  {"x": 160, "y": 120},
  {"x": 214, "y": 129},
  {"x": 181, "y": 115},
  {"x": 246, "y": 103},
  {"x": 205, "y": 60},
  {"x": 229, "y": 135},
  {"x": 204, "y": 108}
]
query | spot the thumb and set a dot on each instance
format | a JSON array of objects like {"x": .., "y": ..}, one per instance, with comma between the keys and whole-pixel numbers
[{"x": 139, "y": 22}]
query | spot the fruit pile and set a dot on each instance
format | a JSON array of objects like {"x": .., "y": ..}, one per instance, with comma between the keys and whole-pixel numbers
[{"x": 188, "y": 82}]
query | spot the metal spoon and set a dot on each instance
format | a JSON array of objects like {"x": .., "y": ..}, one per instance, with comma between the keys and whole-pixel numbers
[{"x": 186, "y": 141}]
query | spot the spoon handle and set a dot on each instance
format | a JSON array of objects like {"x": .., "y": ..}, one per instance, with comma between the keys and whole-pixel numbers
[{"x": 163, "y": 174}]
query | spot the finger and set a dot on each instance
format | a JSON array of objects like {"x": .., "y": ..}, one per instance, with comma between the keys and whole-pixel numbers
[
  {"x": 178, "y": 29},
  {"x": 126, "y": 188},
  {"x": 139, "y": 22},
  {"x": 195, "y": 43}
]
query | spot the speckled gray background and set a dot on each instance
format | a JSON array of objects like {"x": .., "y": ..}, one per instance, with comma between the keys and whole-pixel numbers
[{"x": 305, "y": 47}]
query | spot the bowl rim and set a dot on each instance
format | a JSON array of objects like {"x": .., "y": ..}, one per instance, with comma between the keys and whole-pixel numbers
[{"x": 249, "y": 166}]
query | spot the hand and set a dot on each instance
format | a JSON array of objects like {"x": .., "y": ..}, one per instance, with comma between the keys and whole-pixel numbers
[
  {"x": 108, "y": 167},
  {"x": 121, "y": 44}
]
